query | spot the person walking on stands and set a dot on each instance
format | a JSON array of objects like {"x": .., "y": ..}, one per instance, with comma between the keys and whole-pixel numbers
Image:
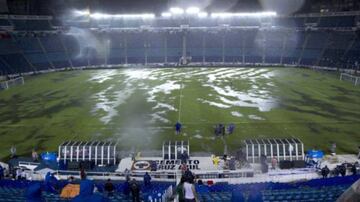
[
  {"x": 109, "y": 188},
  {"x": 147, "y": 180},
  {"x": 189, "y": 191},
  {"x": 325, "y": 172},
  {"x": 342, "y": 170},
  {"x": 135, "y": 191},
  {"x": 180, "y": 190}
]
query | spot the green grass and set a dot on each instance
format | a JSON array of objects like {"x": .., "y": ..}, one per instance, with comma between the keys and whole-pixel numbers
[{"x": 273, "y": 102}]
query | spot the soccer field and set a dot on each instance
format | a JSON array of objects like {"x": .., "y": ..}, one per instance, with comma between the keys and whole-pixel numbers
[{"x": 139, "y": 107}]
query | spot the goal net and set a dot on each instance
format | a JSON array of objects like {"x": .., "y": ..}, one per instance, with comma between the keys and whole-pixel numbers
[
  {"x": 351, "y": 78},
  {"x": 12, "y": 82}
]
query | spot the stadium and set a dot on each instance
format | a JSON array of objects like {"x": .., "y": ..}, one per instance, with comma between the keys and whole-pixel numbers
[{"x": 201, "y": 100}]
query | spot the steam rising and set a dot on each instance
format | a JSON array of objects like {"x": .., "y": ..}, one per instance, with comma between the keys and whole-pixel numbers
[
  {"x": 89, "y": 44},
  {"x": 285, "y": 7}
]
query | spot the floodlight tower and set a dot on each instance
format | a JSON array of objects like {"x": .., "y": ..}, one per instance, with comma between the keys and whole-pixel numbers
[
  {"x": 146, "y": 46},
  {"x": 107, "y": 51},
  {"x": 125, "y": 49},
  {"x": 184, "y": 48},
  {"x": 165, "y": 48}
]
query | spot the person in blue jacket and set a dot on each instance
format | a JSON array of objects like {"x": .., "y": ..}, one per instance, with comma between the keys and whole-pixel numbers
[
  {"x": 126, "y": 189},
  {"x": 178, "y": 127},
  {"x": 87, "y": 193},
  {"x": 33, "y": 193},
  {"x": 49, "y": 186},
  {"x": 147, "y": 180}
]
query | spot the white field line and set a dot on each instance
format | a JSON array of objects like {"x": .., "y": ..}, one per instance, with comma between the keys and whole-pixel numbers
[{"x": 180, "y": 98}]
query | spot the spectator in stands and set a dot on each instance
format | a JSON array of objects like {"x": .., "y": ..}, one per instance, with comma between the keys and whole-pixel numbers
[
  {"x": 82, "y": 173},
  {"x": 147, "y": 180},
  {"x": 23, "y": 174},
  {"x": 87, "y": 193},
  {"x": 1, "y": 172},
  {"x": 336, "y": 171},
  {"x": 153, "y": 165},
  {"x": 189, "y": 175},
  {"x": 126, "y": 188},
  {"x": 71, "y": 180},
  {"x": 127, "y": 174},
  {"x": 325, "y": 172},
  {"x": 184, "y": 157},
  {"x": 342, "y": 170},
  {"x": 183, "y": 168},
  {"x": 135, "y": 191},
  {"x": 51, "y": 183},
  {"x": 354, "y": 168},
  {"x": 180, "y": 190},
  {"x": 33, "y": 193},
  {"x": 273, "y": 163},
  {"x": 18, "y": 174},
  {"x": 34, "y": 155},
  {"x": 109, "y": 188},
  {"x": 189, "y": 191}
]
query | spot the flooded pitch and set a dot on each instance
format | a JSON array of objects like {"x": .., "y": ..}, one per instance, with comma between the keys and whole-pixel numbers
[{"x": 139, "y": 107}]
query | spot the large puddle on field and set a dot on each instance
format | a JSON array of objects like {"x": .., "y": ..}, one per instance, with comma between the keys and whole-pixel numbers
[
  {"x": 158, "y": 83},
  {"x": 227, "y": 96},
  {"x": 134, "y": 79},
  {"x": 108, "y": 100}
]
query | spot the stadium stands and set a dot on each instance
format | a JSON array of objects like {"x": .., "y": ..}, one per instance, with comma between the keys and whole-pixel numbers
[
  {"x": 314, "y": 190},
  {"x": 333, "y": 42},
  {"x": 14, "y": 191}
]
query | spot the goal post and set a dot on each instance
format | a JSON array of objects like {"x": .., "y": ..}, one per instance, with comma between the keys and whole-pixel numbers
[
  {"x": 351, "y": 78},
  {"x": 12, "y": 82}
]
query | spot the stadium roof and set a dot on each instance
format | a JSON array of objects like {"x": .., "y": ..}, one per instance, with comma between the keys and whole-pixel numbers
[{"x": 56, "y": 7}]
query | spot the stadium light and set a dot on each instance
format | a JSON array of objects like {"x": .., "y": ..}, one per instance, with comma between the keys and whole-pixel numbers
[
  {"x": 124, "y": 16},
  {"x": 177, "y": 11},
  {"x": 257, "y": 14},
  {"x": 202, "y": 14},
  {"x": 192, "y": 10},
  {"x": 166, "y": 14},
  {"x": 143, "y": 16},
  {"x": 82, "y": 12},
  {"x": 98, "y": 16}
]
